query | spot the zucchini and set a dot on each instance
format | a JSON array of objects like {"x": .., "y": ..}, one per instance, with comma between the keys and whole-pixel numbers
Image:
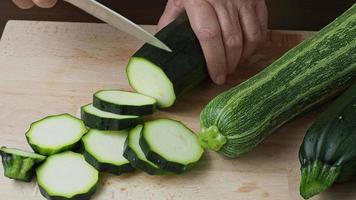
[
  {"x": 55, "y": 134},
  {"x": 170, "y": 145},
  {"x": 67, "y": 176},
  {"x": 135, "y": 155},
  {"x": 124, "y": 103},
  {"x": 166, "y": 75},
  {"x": 328, "y": 151},
  {"x": 19, "y": 165},
  {"x": 237, "y": 120},
  {"x": 104, "y": 149},
  {"x": 101, "y": 120}
]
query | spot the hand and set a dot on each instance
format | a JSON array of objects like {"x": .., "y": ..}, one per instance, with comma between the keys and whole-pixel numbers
[
  {"x": 228, "y": 30},
  {"x": 26, "y": 4}
]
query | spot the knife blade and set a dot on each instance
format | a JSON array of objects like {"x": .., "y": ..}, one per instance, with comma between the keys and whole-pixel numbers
[{"x": 118, "y": 21}]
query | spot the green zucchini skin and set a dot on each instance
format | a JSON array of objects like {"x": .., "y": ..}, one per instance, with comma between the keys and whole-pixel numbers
[
  {"x": 123, "y": 109},
  {"x": 85, "y": 196},
  {"x": 162, "y": 162},
  {"x": 132, "y": 156},
  {"x": 328, "y": 151},
  {"x": 107, "y": 167},
  {"x": 136, "y": 162},
  {"x": 237, "y": 120},
  {"x": 19, "y": 167},
  {"x": 185, "y": 67},
  {"x": 101, "y": 123}
]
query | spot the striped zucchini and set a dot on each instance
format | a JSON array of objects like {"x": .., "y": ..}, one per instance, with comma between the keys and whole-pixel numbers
[{"x": 239, "y": 119}]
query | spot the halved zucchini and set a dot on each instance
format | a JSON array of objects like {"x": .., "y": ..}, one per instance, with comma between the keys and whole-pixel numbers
[
  {"x": 124, "y": 103},
  {"x": 18, "y": 164},
  {"x": 170, "y": 145},
  {"x": 135, "y": 155},
  {"x": 67, "y": 176},
  {"x": 104, "y": 149},
  {"x": 55, "y": 134},
  {"x": 101, "y": 120}
]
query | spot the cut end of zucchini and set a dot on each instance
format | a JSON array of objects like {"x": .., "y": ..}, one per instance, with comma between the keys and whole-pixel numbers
[
  {"x": 211, "y": 138},
  {"x": 67, "y": 176},
  {"x": 18, "y": 164},
  {"x": 23, "y": 153},
  {"x": 104, "y": 150},
  {"x": 56, "y": 133},
  {"x": 316, "y": 178},
  {"x": 149, "y": 79}
]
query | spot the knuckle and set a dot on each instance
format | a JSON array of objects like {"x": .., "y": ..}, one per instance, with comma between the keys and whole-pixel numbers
[
  {"x": 254, "y": 37},
  {"x": 206, "y": 33},
  {"x": 233, "y": 41}
]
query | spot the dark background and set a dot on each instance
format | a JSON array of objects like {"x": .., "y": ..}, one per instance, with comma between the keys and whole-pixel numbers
[{"x": 283, "y": 14}]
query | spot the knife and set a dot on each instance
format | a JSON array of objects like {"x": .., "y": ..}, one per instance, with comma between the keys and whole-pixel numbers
[{"x": 118, "y": 21}]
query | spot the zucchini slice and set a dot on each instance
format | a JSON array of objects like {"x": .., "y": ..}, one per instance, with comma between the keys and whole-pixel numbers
[
  {"x": 104, "y": 149},
  {"x": 67, "y": 176},
  {"x": 55, "y": 134},
  {"x": 166, "y": 75},
  {"x": 170, "y": 145},
  {"x": 101, "y": 120},
  {"x": 124, "y": 103},
  {"x": 18, "y": 164},
  {"x": 135, "y": 155}
]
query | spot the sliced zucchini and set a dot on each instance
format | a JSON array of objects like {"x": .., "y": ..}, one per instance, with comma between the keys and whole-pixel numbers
[
  {"x": 67, "y": 176},
  {"x": 104, "y": 149},
  {"x": 124, "y": 103},
  {"x": 55, "y": 134},
  {"x": 170, "y": 145},
  {"x": 135, "y": 155},
  {"x": 18, "y": 164},
  {"x": 101, "y": 120}
]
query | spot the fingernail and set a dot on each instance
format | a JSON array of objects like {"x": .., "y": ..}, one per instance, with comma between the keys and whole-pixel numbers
[{"x": 220, "y": 79}]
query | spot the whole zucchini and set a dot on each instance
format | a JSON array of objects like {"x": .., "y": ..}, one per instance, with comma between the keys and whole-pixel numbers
[
  {"x": 328, "y": 152},
  {"x": 239, "y": 119}
]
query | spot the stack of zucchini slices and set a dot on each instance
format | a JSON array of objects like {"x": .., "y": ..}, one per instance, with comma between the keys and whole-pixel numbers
[{"x": 111, "y": 137}]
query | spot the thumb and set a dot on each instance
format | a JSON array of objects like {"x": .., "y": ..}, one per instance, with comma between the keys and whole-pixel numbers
[{"x": 173, "y": 9}]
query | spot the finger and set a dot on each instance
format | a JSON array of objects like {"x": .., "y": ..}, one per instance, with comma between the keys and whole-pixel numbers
[
  {"x": 206, "y": 26},
  {"x": 251, "y": 29},
  {"x": 262, "y": 15},
  {"x": 173, "y": 9},
  {"x": 23, "y": 4},
  {"x": 45, "y": 3},
  {"x": 231, "y": 32}
]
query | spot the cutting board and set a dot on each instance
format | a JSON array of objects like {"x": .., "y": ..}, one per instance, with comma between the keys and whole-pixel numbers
[{"x": 48, "y": 68}]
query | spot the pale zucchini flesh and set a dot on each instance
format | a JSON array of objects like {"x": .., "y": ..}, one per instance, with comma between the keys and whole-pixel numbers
[
  {"x": 104, "y": 150},
  {"x": 67, "y": 176},
  {"x": 55, "y": 134},
  {"x": 170, "y": 145}
]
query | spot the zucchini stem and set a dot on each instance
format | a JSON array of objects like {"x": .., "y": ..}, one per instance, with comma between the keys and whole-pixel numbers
[
  {"x": 211, "y": 138},
  {"x": 316, "y": 178}
]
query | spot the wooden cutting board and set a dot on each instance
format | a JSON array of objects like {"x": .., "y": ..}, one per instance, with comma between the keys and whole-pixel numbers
[{"x": 49, "y": 68}]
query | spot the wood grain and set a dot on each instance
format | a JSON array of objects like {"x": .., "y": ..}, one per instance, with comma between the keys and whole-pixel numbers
[{"x": 49, "y": 68}]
